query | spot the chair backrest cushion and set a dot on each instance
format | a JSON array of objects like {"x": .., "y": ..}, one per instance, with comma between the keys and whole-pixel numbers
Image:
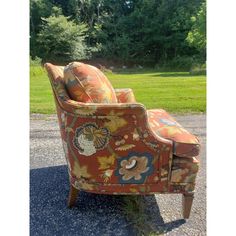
[{"x": 86, "y": 83}]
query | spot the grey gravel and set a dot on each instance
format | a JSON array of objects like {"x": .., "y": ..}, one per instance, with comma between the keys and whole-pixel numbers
[{"x": 101, "y": 214}]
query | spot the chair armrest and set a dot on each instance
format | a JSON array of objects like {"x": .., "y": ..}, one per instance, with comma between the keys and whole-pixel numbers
[
  {"x": 125, "y": 95},
  {"x": 134, "y": 113}
]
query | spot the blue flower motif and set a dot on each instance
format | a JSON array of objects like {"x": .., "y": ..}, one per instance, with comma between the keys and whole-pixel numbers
[{"x": 134, "y": 168}]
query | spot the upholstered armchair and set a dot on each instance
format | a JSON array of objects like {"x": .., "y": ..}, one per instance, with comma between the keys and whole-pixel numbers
[{"x": 114, "y": 145}]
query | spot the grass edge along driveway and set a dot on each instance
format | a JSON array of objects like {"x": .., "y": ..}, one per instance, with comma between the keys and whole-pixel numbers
[{"x": 176, "y": 92}]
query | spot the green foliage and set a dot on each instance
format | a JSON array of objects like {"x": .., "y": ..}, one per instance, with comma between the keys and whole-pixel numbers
[
  {"x": 197, "y": 36},
  {"x": 61, "y": 39},
  {"x": 146, "y": 32}
]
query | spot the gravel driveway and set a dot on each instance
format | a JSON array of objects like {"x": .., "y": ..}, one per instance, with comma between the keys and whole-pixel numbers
[{"x": 101, "y": 214}]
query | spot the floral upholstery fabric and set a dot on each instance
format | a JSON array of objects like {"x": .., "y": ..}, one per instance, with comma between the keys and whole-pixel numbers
[
  {"x": 125, "y": 95},
  {"x": 185, "y": 143},
  {"x": 111, "y": 149},
  {"x": 184, "y": 170},
  {"x": 86, "y": 83}
]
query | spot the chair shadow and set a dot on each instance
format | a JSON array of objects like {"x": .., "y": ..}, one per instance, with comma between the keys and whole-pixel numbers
[{"x": 93, "y": 214}]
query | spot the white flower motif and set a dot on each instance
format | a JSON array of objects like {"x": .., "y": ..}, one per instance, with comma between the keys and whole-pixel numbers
[
  {"x": 86, "y": 145},
  {"x": 89, "y": 138}
]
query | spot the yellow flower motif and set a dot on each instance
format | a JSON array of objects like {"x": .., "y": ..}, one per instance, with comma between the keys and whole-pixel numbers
[
  {"x": 115, "y": 121},
  {"x": 107, "y": 175},
  {"x": 125, "y": 147},
  {"x": 88, "y": 110},
  {"x": 80, "y": 171},
  {"x": 106, "y": 162}
]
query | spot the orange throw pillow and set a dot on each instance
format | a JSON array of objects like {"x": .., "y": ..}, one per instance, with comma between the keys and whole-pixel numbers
[{"x": 86, "y": 83}]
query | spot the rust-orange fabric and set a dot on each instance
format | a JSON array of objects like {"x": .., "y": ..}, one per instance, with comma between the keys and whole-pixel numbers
[
  {"x": 86, "y": 83},
  {"x": 112, "y": 148}
]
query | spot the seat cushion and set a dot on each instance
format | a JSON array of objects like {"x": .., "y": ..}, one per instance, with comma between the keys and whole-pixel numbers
[
  {"x": 185, "y": 143},
  {"x": 86, "y": 83}
]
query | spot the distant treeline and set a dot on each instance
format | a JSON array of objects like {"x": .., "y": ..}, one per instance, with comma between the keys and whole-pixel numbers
[{"x": 142, "y": 32}]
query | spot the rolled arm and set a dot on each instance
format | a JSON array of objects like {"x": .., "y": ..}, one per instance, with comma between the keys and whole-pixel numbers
[
  {"x": 134, "y": 113},
  {"x": 125, "y": 95}
]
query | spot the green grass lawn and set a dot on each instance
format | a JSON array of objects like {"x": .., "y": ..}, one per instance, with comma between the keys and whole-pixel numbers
[{"x": 176, "y": 92}]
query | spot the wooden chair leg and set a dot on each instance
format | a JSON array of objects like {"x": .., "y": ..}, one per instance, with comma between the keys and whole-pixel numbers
[
  {"x": 72, "y": 196},
  {"x": 187, "y": 201}
]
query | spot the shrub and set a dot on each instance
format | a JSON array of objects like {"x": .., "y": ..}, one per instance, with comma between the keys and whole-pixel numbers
[{"x": 61, "y": 40}]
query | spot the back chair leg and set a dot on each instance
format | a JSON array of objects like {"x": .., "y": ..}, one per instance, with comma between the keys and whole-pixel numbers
[
  {"x": 187, "y": 201},
  {"x": 72, "y": 196}
]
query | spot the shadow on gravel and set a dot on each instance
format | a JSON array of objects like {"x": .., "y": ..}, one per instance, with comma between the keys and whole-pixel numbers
[{"x": 94, "y": 215}]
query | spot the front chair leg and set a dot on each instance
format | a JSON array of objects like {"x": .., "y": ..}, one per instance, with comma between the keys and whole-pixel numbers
[
  {"x": 187, "y": 201},
  {"x": 72, "y": 196}
]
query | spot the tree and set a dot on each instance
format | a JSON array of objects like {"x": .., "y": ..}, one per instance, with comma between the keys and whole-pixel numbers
[
  {"x": 38, "y": 9},
  {"x": 62, "y": 40},
  {"x": 146, "y": 31},
  {"x": 197, "y": 36}
]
